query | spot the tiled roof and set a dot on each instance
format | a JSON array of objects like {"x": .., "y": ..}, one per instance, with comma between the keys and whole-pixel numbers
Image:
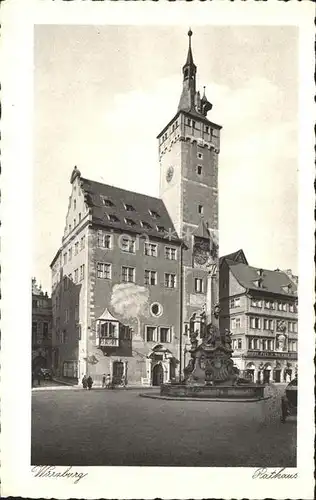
[
  {"x": 238, "y": 256},
  {"x": 275, "y": 282},
  {"x": 128, "y": 211}
]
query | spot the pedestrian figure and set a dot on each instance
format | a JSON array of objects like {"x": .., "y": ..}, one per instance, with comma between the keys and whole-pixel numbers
[
  {"x": 39, "y": 376},
  {"x": 89, "y": 382},
  {"x": 84, "y": 382},
  {"x": 124, "y": 381},
  {"x": 103, "y": 380},
  {"x": 108, "y": 381}
]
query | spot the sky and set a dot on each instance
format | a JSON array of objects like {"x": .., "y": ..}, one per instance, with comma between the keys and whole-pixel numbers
[{"x": 103, "y": 93}]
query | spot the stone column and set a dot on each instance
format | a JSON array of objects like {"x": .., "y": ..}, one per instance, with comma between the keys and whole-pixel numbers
[{"x": 255, "y": 375}]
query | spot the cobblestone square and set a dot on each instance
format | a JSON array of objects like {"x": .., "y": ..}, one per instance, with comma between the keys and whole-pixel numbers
[{"x": 120, "y": 428}]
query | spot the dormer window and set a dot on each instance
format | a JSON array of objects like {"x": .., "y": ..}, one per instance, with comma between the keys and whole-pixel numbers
[
  {"x": 258, "y": 283},
  {"x": 129, "y": 222},
  {"x": 154, "y": 214},
  {"x": 161, "y": 229},
  {"x": 107, "y": 202},
  {"x": 129, "y": 208},
  {"x": 145, "y": 225},
  {"x": 113, "y": 218}
]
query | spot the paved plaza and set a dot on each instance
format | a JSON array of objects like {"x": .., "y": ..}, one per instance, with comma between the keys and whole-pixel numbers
[{"x": 101, "y": 427}]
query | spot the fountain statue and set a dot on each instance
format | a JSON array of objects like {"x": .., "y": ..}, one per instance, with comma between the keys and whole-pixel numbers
[{"x": 210, "y": 372}]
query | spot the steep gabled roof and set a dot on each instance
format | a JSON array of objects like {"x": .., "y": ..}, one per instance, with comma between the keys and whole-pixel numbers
[
  {"x": 237, "y": 256},
  {"x": 147, "y": 215},
  {"x": 275, "y": 282}
]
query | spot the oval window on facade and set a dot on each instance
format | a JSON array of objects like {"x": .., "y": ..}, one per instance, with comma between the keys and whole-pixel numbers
[{"x": 156, "y": 309}]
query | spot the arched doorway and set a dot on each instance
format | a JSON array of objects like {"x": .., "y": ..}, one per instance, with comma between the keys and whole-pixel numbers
[
  {"x": 157, "y": 374},
  {"x": 118, "y": 372},
  {"x": 267, "y": 374},
  {"x": 277, "y": 373}
]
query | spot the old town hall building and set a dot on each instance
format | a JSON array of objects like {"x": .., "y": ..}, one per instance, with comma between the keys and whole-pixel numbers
[{"x": 131, "y": 270}]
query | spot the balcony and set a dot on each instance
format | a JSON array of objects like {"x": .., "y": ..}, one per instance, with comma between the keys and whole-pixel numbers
[{"x": 107, "y": 342}]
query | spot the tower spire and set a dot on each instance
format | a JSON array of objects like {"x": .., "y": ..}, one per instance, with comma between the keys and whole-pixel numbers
[
  {"x": 187, "y": 100},
  {"x": 190, "y": 99}
]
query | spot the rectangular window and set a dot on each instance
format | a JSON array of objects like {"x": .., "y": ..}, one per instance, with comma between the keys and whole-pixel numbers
[
  {"x": 268, "y": 304},
  {"x": 150, "y": 277},
  {"x": 282, "y": 306},
  {"x": 128, "y": 245},
  {"x": 164, "y": 334},
  {"x": 193, "y": 123},
  {"x": 170, "y": 253},
  {"x": 256, "y": 303},
  {"x": 199, "y": 285},
  {"x": 79, "y": 217},
  {"x": 200, "y": 209},
  {"x": 75, "y": 223},
  {"x": 103, "y": 240},
  {"x": 170, "y": 280},
  {"x": 76, "y": 248},
  {"x": 199, "y": 169},
  {"x": 108, "y": 329},
  {"x": 207, "y": 129},
  {"x": 65, "y": 258},
  {"x": 268, "y": 324},
  {"x": 235, "y": 302},
  {"x": 66, "y": 315},
  {"x": 70, "y": 254},
  {"x": 239, "y": 344},
  {"x": 151, "y": 249},
  {"x": 255, "y": 323},
  {"x": 291, "y": 308},
  {"x": 237, "y": 322},
  {"x": 76, "y": 276},
  {"x": 200, "y": 156},
  {"x": 151, "y": 334},
  {"x": 128, "y": 274},
  {"x": 82, "y": 272},
  {"x": 103, "y": 270},
  {"x": 233, "y": 323}
]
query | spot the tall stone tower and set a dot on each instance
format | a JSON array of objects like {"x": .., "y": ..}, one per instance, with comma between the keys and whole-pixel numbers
[{"x": 188, "y": 154}]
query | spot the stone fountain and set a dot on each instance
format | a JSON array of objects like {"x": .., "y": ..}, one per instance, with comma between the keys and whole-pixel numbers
[{"x": 211, "y": 373}]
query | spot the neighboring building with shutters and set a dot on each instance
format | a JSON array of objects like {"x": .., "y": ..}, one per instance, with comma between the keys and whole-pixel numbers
[
  {"x": 41, "y": 328},
  {"x": 259, "y": 307},
  {"x": 131, "y": 269}
]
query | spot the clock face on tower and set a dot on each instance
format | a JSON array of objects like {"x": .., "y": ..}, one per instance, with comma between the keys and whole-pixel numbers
[{"x": 169, "y": 174}]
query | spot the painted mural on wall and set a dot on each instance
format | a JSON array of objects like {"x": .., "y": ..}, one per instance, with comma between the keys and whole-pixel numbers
[{"x": 131, "y": 302}]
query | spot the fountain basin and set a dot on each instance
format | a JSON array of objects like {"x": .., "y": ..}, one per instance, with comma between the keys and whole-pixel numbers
[{"x": 254, "y": 392}]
